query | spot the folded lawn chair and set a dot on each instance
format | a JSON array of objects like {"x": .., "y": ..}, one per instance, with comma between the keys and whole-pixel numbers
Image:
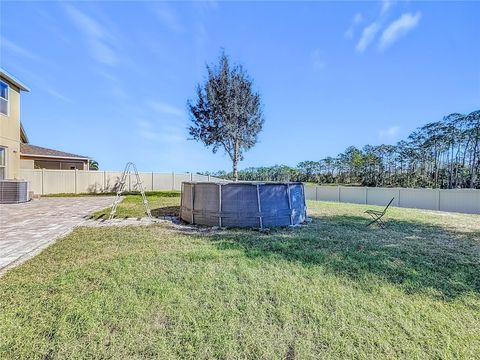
[{"x": 377, "y": 216}]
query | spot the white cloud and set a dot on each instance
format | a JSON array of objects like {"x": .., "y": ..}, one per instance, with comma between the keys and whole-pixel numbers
[
  {"x": 399, "y": 28},
  {"x": 357, "y": 19},
  {"x": 208, "y": 5},
  {"x": 389, "y": 133},
  {"x": 317, "y": 61},
  {"x": 165, "y": 108},
  {"x": 97, "y": 36},
  {"x": 368, "y": 35},
  {"x": 14, "y": 48},
  {"x": 162, "y": 124},
  {"x": 201, "y": 38},
  {"x": 386, "y": 5},
  {"x": 114, "y": 85},
  {"x": 160, "y": 133},
  {"x": 146, "y": 131},
  {"x": 169, "y": 19},
  {"x": 57, "y": 94}
]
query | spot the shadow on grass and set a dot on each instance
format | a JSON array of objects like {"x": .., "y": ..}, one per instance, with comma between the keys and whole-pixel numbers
[
  {"x": 166, "y": 211},
  {"x": 417, "y": 257},
  {"x": 160, "y": 212}
]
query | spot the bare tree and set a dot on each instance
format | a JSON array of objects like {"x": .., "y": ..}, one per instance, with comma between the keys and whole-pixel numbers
[{"x": 227, "y": 112}]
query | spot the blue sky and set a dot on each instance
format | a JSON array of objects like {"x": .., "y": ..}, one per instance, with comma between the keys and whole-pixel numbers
[{"x": 110, "y": 80}]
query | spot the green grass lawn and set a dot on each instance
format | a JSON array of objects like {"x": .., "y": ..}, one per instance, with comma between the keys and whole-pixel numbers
[
  {"x": 332, "y": 289},
  {"x": 161, "y": 203}
]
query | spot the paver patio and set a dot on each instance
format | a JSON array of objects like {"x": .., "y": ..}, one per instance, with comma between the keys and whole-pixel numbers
[{"x": 28, "y": 228}]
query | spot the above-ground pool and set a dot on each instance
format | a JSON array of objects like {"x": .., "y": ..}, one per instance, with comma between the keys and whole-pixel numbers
[{"x": 243, "y": 204}]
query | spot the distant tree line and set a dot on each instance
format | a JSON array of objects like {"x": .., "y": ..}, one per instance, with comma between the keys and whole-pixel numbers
[{"x": 443, "y": 154}]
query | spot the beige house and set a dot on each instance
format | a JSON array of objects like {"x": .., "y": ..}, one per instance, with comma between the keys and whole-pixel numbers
[
  {"x": 15, "y": 151},
  {"x": 37, "y": 157}
]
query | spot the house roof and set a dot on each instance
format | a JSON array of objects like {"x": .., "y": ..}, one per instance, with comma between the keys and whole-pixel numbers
[
  {"x": 38, "y": 151},
  {"x": 23, "y": 134},
  {"x": 11, "y": 79}
]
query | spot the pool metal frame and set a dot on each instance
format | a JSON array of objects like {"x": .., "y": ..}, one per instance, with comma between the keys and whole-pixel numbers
[{"x": 190, "y": 208}]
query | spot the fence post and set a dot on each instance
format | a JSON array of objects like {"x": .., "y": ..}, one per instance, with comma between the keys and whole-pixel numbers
[
  {"x": 208, "y": 178},
  {"x": 399, "y": 193},
  {"x": 339, "y": 193},
  {"x": 173, "y": 180},
  {"x": 316, "y": 193},
  {"x": 191, "y": 176},
  {"x": 366, "y": 195},
  {"x": 43, "y": 181},
  {"x": 75, "y": 182},
  {"x": 104, "y": 181},
  {"x": 438, "y": 199},
  {"x": 152, "y": 180},
  {"x": 478, "y": 202}
]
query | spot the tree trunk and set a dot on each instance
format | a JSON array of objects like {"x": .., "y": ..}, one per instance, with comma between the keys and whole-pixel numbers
[
  {"x": 474, "y": 165},
  {"x": 235, "y": 160},
  {"x": 450, "y": 172}
]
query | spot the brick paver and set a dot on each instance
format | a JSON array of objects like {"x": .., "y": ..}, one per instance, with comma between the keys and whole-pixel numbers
[{"x": 28, "y": 228}]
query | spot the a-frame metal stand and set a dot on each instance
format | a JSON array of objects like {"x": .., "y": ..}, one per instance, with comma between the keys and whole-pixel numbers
[{"x": 128, "y": 170}]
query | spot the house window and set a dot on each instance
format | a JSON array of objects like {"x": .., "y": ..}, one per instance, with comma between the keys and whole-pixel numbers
[
  {"x": 3, "y": 98},
  {"x": 2, "y": 163}
]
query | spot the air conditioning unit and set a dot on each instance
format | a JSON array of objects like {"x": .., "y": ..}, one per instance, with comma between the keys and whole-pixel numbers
[{"x": 13, "y": 191}]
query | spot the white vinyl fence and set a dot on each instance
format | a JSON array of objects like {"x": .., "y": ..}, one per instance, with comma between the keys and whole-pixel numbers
[
  {"x": 454, "y": 200},
  {"x": 46, "y": 182}
]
